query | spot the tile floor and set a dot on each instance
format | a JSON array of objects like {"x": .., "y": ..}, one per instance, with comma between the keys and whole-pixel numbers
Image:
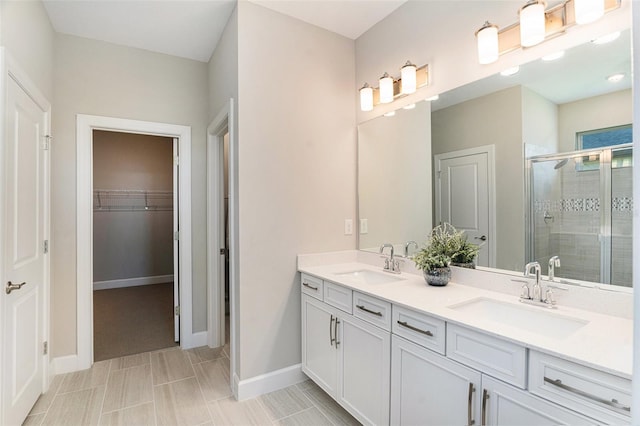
[{"x": 176, "y": 387}]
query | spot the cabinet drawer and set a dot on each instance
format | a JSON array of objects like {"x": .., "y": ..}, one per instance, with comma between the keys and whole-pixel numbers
[
  {"x": 495, "y": 357},
  {"x": 338, "y": 296},
  {"x": 312, "y": 286},
  {"x": 373, "y": 310},
  {"x": 417, "y": 327},
  {"x": 600, "y": 395}
]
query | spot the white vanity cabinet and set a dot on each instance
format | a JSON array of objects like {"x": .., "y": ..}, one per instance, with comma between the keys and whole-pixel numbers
[
  {"x": 505, "y": 405},
  {"x": 347, "y": 357},
  {"x": 429, "y": 389}
]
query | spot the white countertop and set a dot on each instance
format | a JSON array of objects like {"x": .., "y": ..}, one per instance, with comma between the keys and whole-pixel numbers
[{"x": 605, "y": 342}]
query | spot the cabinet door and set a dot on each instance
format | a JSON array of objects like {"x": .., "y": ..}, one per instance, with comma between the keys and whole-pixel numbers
[
  {"x": 319, "y": 354},
  {"x": 507, "y": 405},
  {"x": 427, "y": 388},
  {"x": 364, "y": 369}
]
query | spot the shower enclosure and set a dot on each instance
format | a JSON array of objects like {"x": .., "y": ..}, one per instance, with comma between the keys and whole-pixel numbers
[{"x": 581, "y": 209}]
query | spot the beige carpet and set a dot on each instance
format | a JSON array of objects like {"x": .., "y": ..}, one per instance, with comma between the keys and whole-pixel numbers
[{"x": 132, "y": 320}]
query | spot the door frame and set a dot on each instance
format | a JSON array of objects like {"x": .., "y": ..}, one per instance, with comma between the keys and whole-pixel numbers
[
  {"x": 85, "y": 125},
  {"x": 223, "y": 122},
  {"x": 11, "y": 70},
  {"x": 491, "y": 168}
]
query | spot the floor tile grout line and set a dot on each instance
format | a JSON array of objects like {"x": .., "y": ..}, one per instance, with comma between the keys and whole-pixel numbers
[{"x": 206, "y": 403}]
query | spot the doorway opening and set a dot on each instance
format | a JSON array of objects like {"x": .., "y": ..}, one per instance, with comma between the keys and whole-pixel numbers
[
  {"x": 135, "y": 218},
  {"x": 181, "y": 136}
]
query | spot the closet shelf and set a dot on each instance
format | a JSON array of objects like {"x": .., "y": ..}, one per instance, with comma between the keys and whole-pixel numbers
[{"x": 109, "y": 200}]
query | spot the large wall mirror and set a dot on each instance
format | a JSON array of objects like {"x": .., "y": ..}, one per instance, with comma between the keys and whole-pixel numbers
[{"x": 530, "y": 149}]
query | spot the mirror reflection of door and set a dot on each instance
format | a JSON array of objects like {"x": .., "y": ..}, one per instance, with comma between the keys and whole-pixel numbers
[{"x": 463, "y": 196}]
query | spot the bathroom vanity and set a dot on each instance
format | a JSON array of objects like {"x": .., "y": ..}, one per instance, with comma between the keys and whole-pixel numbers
[{"x": 392, "y": 350}]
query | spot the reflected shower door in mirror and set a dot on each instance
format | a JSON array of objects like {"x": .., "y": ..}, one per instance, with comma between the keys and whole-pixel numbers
[
  {"x": 580, "y": 210},
  {"x": 394, "y": 179}
]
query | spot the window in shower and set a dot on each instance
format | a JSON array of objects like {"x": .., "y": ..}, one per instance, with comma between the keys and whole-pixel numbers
[{"x": 604, "y": 138}]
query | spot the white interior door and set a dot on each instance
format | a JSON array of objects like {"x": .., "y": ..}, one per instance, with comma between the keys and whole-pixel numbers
[
  {"x": 176, "y": 244},
  {"x": 464, "y": 197},
  {"x": 24, "y": 259}
]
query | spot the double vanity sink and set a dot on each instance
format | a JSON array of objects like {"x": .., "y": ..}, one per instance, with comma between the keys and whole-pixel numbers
[{"x": 398, "y": 351}]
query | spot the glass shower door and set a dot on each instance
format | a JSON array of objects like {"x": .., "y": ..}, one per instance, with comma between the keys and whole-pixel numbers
[
  {"x": 621, "y": 217},
  {"x": 565, "y": 214}
]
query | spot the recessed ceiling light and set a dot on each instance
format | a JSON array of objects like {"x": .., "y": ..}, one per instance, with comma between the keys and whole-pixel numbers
[
  {"x": 614, "y": 78},
  {"x": 606, "y": 38},
  {"x": 390, "y": 114},
  {"x": 510, "y": 71},
  {"x": 410, "y": 106},
  {"x": 433, "y": 98},
  {"x": 553, "y": 56}
]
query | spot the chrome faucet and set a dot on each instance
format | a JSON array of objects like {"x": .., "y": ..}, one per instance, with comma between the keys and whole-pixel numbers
[
  {"x": 390, "y": 264},
  {"x": 534, "y": 297},
  {"x": 407, "y": 245},
  {"x": 554, "y": 263}
]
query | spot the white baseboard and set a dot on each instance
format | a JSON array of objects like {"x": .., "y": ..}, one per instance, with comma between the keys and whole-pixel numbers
[
  {"x": 273, "y": 381},
  {"x": 65, "y": 364},
  {"x": 132, "y": 282}
]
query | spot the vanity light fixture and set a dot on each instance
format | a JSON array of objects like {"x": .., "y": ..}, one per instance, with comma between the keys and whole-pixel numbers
[
  {"x": 366, "y": 97},
  {"x": 389, "y": 88},
  {"x": 386, "y": 88},
  {"x": 614, "y": 78},
  {"x": 553, "y": 56},
  {"x": 606, "y": 38},
  {"x": 510, "y": 71},
  {"x": 532, "y": 23},
  {"x": 537, "y": 25},
  {"x": 408, "y": 77},
  {"x": 587, "y": 11},
  {"x": 488, "y": 49}
]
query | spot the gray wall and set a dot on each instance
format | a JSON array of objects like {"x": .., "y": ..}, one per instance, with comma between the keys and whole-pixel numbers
[
  {"x": 297, "y": 171},
  {"x": 93, "y": 77},
  {"x": 136, "y": 243}
]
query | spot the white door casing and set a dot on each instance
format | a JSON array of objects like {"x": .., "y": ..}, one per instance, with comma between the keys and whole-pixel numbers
[
  {"x": 85, "y": 125},
  {"x": 24, "y": 214},
  {"x": 465, "y": 191},
  {"x": 176, "y": 241}
]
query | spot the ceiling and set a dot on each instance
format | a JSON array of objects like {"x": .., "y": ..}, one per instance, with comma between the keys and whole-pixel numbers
[{"x": 192, "y": 29}]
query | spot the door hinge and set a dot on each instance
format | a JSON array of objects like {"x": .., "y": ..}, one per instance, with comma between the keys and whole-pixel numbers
[
  {"x": 45, "y": 246},
  {"x": 46, "y": 142},
  {"x": 45, "y": 348},
  {"x": 176, "y": 160},
  {"x": 176, "y": 310},
  {"x": 176, "y": 235}
]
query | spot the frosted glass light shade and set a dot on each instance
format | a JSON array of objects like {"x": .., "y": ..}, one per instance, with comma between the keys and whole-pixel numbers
[
  {"x": 532, "y": 23},
  {"x": 487, "y": 37},
  {"x": 366, "y": 98},
  {"x": 408, "y": 77},
  {"x": 386, "y": 89},
  {"x": 587, "y": 11}
]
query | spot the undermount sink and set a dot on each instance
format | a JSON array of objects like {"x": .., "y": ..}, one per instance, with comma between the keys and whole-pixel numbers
[
  {"x": 366, "y": 276},
  {"x": 532, "y": 319}
]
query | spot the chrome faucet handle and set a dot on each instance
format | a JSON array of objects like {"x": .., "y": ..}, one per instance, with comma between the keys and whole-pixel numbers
[
  {"x": 524, "y": 292},
  {"x": 549, "y": 299}
]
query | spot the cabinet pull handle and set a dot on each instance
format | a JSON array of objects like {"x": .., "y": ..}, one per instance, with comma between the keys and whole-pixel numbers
[
  {"x": 335, "y": 331},
  {"x": 331, "y": 339},
  {"x": 310, "y": 286},
  {"x": 613, "y": 403},
  {"x": 470, "y": 421},
  {"x": 362, "y": 308},
  {"x": 485, "y": 396},
  {"x": 410, "y": 327}
]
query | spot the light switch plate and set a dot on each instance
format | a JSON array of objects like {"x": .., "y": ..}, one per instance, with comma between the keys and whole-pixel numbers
[{"x": 364, "y": 226}]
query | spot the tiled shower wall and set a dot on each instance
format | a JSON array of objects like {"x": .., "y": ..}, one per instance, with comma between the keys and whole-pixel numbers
[{"x": 572, "y": 227}]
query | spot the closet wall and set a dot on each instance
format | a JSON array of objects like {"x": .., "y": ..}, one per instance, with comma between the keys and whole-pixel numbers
[{"x": 133, "y": 209}]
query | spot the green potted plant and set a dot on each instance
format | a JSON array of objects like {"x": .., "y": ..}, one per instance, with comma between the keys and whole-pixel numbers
[{"x": 445, "y": 246}]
